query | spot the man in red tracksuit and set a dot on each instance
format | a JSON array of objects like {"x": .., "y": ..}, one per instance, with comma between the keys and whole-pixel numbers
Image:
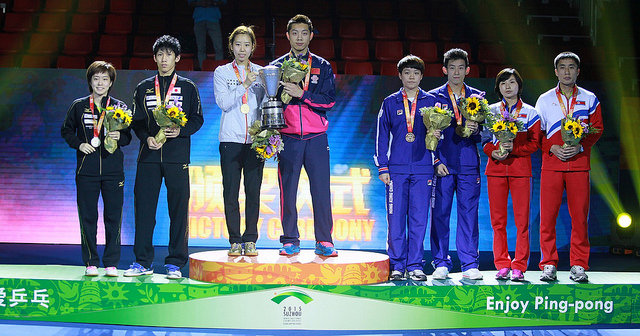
[
  {"x": 510, "y": 171},
  {"x": 566, "y": 167}
]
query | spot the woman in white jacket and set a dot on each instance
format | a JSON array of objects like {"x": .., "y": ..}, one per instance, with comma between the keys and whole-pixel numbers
[{"x": 239, "y": 95}]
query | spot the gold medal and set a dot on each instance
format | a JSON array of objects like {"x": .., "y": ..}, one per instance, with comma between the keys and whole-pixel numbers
[
  {"x": 95, "y": 142},
  {"x": 410, "y": 137},
  {"x": 245, "y": 108}
]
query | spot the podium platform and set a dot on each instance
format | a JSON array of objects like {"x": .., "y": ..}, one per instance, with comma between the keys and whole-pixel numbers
[{"x": 306, "y": 268}]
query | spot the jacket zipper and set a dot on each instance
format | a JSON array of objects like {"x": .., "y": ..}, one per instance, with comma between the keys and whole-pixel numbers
[{"x": 300, "y": 113}]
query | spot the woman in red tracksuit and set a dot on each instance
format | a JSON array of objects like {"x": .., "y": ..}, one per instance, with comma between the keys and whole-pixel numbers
[{"x": 511, "y": 172}]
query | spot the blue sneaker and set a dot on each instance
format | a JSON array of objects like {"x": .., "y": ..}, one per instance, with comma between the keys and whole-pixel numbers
[
  {"x": 136, "y": 270},
  {"x": 173, "y": 271},
  {"x": 289, "y": 249},
  {"x": 326, "y": 249}
]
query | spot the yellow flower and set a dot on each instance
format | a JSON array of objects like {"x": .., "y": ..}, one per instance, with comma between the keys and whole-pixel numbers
[
  {"x": 473, "y": 105},
  {"x": 499, "y": 126},
  {"x": 127, "y": 119},
  {"x": 109, "y": 108},
  {"x": 118, "y": 114},
  {"x": 577, "y": 131},
  {"x": 513, "y": 128},
  {"x": 570, "y": 125}
]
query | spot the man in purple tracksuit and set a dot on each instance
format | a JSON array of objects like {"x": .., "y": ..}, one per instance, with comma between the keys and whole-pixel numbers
[
  {"x": 305, "y": 142},
  {"x": 406, "y": 168},
  {"x": 457, "y": 165}
]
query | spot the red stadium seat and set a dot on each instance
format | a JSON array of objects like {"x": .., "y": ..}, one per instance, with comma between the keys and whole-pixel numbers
[
  {"x": 260, "y": 50},
  {"x": 7, "y": 61},
  {"x": 90, "y": 7},
  {"x": 44, "y": 43},
  {"x": 25, "y": 6},
  {"x": 113, "y": 45},
  {"x": 51, "y": 23},
  {"x": 11, "y": 43},
  {"x": 462, "y": 45},
  {"x": 211, "y": 65},
  {"x": 122, "y": 6},
  {"x": 185, "y": 64},
  {"x": 349, "y": 9},
  {"x": 446, "y": 31},
  {"x": 358, "y": 68},
  {"x": 352, "y": 29},
  {"x": 381, "y": 9},
  {"x": 388, "y": 69},
  {"x": 151, "y": 25},
  {"x": 58, "y": 6},
  {"x": 334, "y": 66},
  {"x": 474, "y": 71},
  {"x": 323, "y": 47},
  {"x": 491, "y": 53},
  {"x": 433, "y": 70},
  {"x": 282, "y": 46},
  {"x": 35, "y": 61},
  {"x": 417, "y": 31},
  {"x": 85, "y": 23},
  {"x": 389, "y": 51},
  {"x": 142, "y": 63},
  {"x": 115, "y": 61},
  {"x": 323, "y": 28},
  {"x": 71, "y": 62},
  {"x": 492, "y": 70},
  {"x": 78, "y": 44},
  {"x": 428, "y": 51},
  {"x": 118, "y": 24},
  {"x": 384, "y": 30},
  {"x": 355, "y": 50},
  {"x": 18, "y": 22}
]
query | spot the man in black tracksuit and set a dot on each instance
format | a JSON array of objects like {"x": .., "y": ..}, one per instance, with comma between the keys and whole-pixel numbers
[
  {"x": 169, "y": 160},
  {"x": 97, "y": 171}
]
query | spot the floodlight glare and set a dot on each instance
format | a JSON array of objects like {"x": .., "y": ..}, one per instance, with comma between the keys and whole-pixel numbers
[{"x": 624, "y": 220}]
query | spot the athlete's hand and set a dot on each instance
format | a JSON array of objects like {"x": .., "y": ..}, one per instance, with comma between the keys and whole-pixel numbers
[
  {"x": 472, "y": 126},
  {"x": 507, "y": 146},
  {"x": 437, "y": 133},
  {"x": 115, "y": 135},
  {"x": 172, "y": 132},
  {"x": 571, "y": 151},
  {"x": 385, "y": 178},
  {"x": 86, "y": 148},
  {"x": 496, "y": 155},
  {"x": 251, "y": 77},
  {"x": 558, "y": 151},
  {"x": 442, "y": 170},
  {"x": 153, "y": 144},
  {"x": 292, "y": 89}
]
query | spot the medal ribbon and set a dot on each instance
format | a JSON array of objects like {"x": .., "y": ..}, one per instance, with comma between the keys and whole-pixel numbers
[
  {"x": 517, "y": 107},
  {"x": 574, "y": 94},
  {"x": 454, "y": 102},
  {"x": 168, "y": 96},
  {"x": 235, "y": 69},
  {"x": 306, "y": 79},
  {"x": 409, "y": 116},
  {"x": 97, "y": 125}
]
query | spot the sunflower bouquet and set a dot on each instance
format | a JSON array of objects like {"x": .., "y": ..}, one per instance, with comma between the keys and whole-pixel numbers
[
  {"x": 573, "y": 130},
  {"x": 435, "y": 118},
  {"x": 117, "y": 118},
  {"x": 167, "y": 116},
  {"x": 267, "y": 143},
  {"x": 474, "y": 108},
  {"x": 504, "y": 127},
  {"x": 294, "y": 70}
]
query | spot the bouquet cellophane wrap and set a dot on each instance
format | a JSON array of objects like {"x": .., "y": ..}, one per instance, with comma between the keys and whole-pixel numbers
[
  {"x": 504, "y": 136},
  {"x": 291, "y": 75},
  {"x": 434, "y": 121},
  {"x": 160, "y": 115},
  {"x": 463, "y": 130},
  {"x": 112, "y": 124}
]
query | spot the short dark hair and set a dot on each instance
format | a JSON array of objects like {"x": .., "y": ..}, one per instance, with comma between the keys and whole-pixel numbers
[
  {"x": 248, "y": 30},
  {"x": 455, "y": 54},
  {"x": 566, "y": 54},
  {"x": 100, "y": 67},
  {"x": 300, "y": 18},
  {"x": 167, "y": 42},
  {"x": 504, "y": 75},
  {"x": 411, "y": 61}
]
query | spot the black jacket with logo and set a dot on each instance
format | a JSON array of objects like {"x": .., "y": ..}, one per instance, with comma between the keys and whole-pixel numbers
[
  {"x": 185, "y": 92},
  {"x": 77, "y": 129}
]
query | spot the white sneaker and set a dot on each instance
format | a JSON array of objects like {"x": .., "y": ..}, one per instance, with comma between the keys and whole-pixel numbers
[
  {"x": 577, "y": 274},
  {"x": 472, "y": 274},
  {"x": 417, "y": 275},
  {"x": 396, "y": 276},
  {"x": 549, "y": 273},
  {"x": 173, "y": 271},
  {"x": 111, "y": 271},
  {"x": 441, "y": 273},
  {"x": 91, "y": 271}
]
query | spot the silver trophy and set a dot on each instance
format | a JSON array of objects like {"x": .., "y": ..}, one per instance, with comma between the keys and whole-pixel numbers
[{"x": 272, "y": 116}]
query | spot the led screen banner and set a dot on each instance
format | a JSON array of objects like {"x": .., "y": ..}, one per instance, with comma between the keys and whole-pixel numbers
[{"x": 37, "y": 193}]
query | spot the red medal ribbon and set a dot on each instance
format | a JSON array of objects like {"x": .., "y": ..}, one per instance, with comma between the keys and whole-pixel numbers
[
  {"x": 168, "y": 96},
  {"x": 517, "y": 107},
  {"x": 97, "y": 125},
  {"x": 235, "y": 68},
  {"x": 305, "y": 85},
  {"x": 455, "y": 105},
  {"x": 574, "y": 94},
  {"x": 409, "y": 116}
]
